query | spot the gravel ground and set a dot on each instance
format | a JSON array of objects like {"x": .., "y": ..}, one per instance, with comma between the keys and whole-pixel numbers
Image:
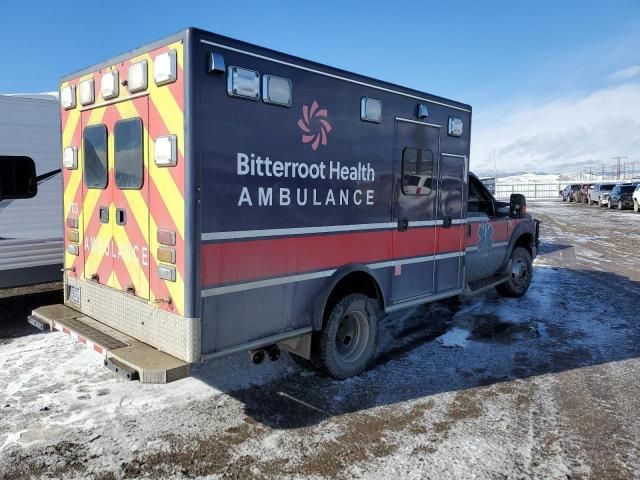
[{"x": 540, "y": 387}]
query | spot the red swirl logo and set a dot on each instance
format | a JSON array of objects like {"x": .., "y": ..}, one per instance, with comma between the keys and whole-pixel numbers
[{"x": 314, "y": 125}]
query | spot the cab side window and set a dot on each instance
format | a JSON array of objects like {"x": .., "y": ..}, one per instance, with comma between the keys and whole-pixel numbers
[
  {"x": 479, "y": 200},
  {"x": 417, "y": 171}
]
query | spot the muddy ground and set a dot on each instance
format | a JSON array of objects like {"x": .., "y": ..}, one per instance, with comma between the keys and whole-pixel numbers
[{"x": 541, "y": 387}]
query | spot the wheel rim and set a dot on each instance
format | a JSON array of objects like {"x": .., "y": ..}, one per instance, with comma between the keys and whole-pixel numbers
[
  {"x": 352, "y": 336},
  {"x": 520, "y": 272}
]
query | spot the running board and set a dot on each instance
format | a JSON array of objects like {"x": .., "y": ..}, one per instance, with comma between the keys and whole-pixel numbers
[
  {"x": 483, "y": 284},
  {"x": 123, "y": 354}
]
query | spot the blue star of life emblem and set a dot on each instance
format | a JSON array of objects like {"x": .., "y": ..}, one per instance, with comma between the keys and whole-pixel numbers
[{"x": 485, "y": 239}]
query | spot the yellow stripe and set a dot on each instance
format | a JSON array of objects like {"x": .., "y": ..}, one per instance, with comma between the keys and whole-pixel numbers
[
  {"x": 166, "y": 185},
  {"x": 161, "y": 177},
  {"x": 94, "y": 257},
  {"x": 173, "y": 117}
]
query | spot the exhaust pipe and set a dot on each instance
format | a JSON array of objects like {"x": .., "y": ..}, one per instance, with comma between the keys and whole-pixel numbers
[
  {"x": 274, "y": 353},
  {"x": 257, "y": 356}
]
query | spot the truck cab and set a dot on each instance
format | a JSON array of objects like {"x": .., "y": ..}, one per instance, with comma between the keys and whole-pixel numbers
[{"x": 494, "y": 231}]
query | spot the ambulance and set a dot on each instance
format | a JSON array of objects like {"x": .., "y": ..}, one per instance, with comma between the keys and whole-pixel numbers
[{"x": 223, "y": 197}]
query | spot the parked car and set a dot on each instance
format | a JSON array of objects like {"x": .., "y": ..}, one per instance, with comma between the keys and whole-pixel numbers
[
  {"x": 581, "y": 195},
  {"x": 636, "y": 199},
  {"x": 621, "y": 197},
  {"x": 600, "y": 193},
  {"x": 569, "y": 191}
]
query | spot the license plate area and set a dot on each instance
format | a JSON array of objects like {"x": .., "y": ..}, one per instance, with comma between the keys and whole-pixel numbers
[{"x": 73, "y": 294}]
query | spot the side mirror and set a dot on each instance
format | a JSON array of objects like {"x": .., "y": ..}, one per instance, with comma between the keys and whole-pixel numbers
[
  {"x": 17, "y": 178},
  {"x": 517, "y": 205}
]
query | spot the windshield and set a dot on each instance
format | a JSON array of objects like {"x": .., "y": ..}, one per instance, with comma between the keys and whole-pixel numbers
[{"x": 606, "y": 188}]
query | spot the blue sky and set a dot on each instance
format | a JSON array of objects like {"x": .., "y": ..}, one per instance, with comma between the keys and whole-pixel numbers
[{"x": 501, "y": 57}]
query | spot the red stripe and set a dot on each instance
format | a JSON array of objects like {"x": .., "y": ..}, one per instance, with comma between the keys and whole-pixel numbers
[
  {"x": 82, "y": 340},
  {"x": 97, "y": 348},
  {"x": 254, "y": 259},
  {"x": 122, "y": 274},
  {"x": 65, "y": 330},
  {"x": 500, "y": 232}
]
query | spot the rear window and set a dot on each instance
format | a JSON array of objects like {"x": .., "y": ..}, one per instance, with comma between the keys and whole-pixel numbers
[
  {"x": 606, "y": 188},
  {"x": 628, "y": 189},
  {"x": 129, "y": 156},
  {"x": 95, "y": 156}
]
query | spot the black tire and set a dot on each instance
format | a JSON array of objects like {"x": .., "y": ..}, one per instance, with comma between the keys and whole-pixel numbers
[
  {"x": 610, "y": 205},
  {"x": 620, "y": 206},
  {"x": 521, "y": 274},
  {"x": 636, "y": 207},
  {"x": 347, "y": 343}
]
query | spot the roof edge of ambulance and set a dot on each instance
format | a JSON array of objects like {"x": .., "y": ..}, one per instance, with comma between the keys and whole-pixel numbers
[
  {"x": 249, "y": 47},
  {"x": 180, "y": 35}
]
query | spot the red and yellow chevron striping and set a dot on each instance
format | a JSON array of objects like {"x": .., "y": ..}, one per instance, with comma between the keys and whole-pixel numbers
[{"x": 124, "y": 257}]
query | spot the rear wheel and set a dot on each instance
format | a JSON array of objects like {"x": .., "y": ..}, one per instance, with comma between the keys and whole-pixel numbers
[
  {"x": 636, "y": 207},
  {"x": 521, "y": 274},
  {"x": 347, "y": 343}
]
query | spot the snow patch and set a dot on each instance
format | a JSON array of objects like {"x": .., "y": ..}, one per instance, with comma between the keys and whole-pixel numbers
[{"x": 456, "y": 337}]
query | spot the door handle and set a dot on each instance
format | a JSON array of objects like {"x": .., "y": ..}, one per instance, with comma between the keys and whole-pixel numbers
[
  {"x": 103, "y": 213},
  {"x": 403, "y": 224},
  {"x": 121, "y": 216},
  {"x": 446, "y": 222}
]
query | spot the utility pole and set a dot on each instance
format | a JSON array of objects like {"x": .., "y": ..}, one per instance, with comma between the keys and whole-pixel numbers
[
  {"x": 618, "y": 159},
  {"x": 495, "y": 169}
]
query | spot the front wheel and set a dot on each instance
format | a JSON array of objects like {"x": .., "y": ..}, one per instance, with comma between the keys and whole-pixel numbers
[
  {"x": 610, "y": 205},
  {"x": 636, "y": 207},
  {"x": 620, "y": 206},
  {"x": 347, "y": 342},
  {"x": 521, "y": 274}
]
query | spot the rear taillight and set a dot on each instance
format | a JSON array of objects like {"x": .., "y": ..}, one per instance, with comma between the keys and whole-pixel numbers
[
  {"x": 166, "y": 237},
  {"x": 167, "y": 272},
  {"x": 166, "y": 254},
  {"x": 73, "y": 235}
]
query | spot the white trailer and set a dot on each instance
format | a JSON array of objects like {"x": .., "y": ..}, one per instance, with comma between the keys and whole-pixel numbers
[{"x": 31, "y": 244}]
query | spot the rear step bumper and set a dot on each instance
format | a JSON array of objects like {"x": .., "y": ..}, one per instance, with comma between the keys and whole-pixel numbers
[{"x": 123, "y": 354}]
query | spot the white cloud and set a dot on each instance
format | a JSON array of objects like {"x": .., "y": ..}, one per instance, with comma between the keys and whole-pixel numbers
[
  {"x": 625, "y": 73},
  {"x": 562, "y": 135}
]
